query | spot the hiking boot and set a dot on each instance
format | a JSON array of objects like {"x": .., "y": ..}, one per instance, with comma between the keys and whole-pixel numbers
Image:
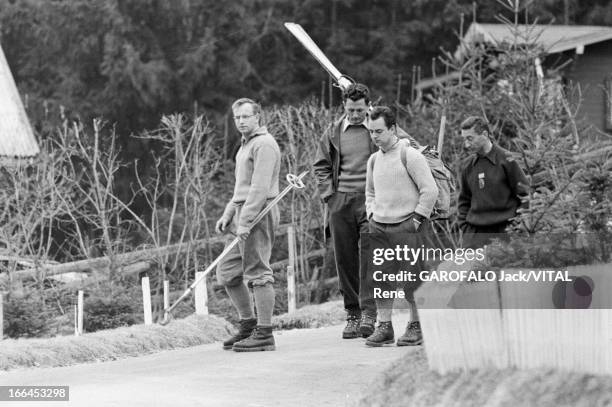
[
  {"x": 383, "y": 335},
  {"x": 261, "y": 339},
  {"x": 366, "y": 325},
  {"x": 351, "y": 330},
  {"x": 244, "y": 331},
  {"x": 412, "y": 336}
]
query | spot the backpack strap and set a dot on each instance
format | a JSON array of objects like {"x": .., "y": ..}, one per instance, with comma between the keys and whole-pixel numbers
[{"x": 404, "y": 157}]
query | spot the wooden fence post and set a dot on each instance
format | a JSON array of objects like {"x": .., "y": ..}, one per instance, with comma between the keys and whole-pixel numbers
[
  {"x": 201, "y": 295},
  {"x": 292, "y": 306},
  {"x": 441, "y": 134},
  {"x": 399, "y": 89},
  {"x": 146, "y": 301}
]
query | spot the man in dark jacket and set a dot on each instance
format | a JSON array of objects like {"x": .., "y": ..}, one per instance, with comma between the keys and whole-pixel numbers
[
  {"x": 340, "y": 168},
  {"x": 491, "y": 182}
]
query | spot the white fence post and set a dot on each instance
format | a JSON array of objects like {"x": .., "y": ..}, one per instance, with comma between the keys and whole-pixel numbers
[
  {"x": 79, "y": 327},
  {"x": 201, "y": 295},
  {"x": 166, "y": 297},
  {"x": 146, "y": 301},
  {"x": 1, "y": 316},
  {"x": 291, "y": 292},
  {"x": 166, "y": 294}
]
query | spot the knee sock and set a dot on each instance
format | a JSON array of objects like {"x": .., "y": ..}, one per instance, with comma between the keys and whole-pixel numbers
[
  {"x": 414, "y": 313},
  {"x": 241, "y": 298},
  {"x": 264, "y": 302},
  {"x": 384, "y": 306}
]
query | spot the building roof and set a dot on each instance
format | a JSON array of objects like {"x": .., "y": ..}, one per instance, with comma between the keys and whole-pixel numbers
[
  {"x": 16, "y": 136},
  {"x": 553, "y": 38}
]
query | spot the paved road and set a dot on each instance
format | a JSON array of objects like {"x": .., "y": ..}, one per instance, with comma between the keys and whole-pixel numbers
[{"x": 311, "y": 367}]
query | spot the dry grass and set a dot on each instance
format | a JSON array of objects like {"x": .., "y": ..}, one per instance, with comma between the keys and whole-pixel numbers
[
  {"x": 112, "y": 344},
  {"x": 312, "y": 316},
  {"x": 139, "y": 339},
  {"x": 409, "y": 382}
]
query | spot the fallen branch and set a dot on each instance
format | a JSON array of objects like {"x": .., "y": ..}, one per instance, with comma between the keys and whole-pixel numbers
[
  {"x": 280, "y": 265},
  {"x": 24, "y": 261},
  {"x": 101, "y": 263}
]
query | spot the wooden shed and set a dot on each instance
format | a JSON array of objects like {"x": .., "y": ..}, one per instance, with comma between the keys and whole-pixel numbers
[
  {"x": 17, "y": 141},
  {"x": 584, "y": 51}
]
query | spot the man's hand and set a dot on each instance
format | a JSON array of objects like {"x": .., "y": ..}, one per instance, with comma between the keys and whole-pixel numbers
[
  {"x": 416, "y": 223},
  {"x": 222, "y": 225},
  {"x": 417, "y": 220},
  {"x": 242, "y": 233}
]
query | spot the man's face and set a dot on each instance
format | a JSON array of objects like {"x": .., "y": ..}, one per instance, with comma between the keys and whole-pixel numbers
[
  {"x": 246, "y": 121},
  {"x": 474, "y": 142},
  {"x": 380, "y": 134},
  {"x": 356, "y": 111}
]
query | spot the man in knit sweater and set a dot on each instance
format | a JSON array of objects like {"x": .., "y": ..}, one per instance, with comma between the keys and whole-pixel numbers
[
  {"x": 400, "y": 196},
  {"x": 340, "y": 168},
  {"x": 248, "y": 264},
  {"x": 491, "y": 185}
]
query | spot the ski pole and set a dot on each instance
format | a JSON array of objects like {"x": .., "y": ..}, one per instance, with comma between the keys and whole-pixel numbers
[{"x": 294, "y": 182}]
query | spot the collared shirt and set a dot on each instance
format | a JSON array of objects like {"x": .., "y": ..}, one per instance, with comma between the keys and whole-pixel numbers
[
  {"x": 491, "y": 187},
  {"x": 346, "y": 123},
  {"x": 256, "y": 132},
  {"x": 492, "y": 155}
]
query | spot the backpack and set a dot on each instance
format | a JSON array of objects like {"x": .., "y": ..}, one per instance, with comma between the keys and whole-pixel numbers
[{"x": 445, "y": 180}]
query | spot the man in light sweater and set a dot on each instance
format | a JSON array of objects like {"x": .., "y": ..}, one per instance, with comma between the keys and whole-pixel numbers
[
  {"x": 400, "y": 196},
  {"x": 248, "y": 264}
]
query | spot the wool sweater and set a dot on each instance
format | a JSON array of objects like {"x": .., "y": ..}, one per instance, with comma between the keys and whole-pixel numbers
[
  {"x": 327, "y": 160},
  {"x": 393, "y": 191},
  {"x": 355, "y": 146},
  {"x": 257, "y": 171}
]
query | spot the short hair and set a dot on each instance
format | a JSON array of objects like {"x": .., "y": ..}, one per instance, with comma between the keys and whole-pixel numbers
[
  {"x": 477, "y": 123},
  {"x": 355, "y": 92},
  {"x": 244, "y": 101},
  {"x": 384, "y": 112}
]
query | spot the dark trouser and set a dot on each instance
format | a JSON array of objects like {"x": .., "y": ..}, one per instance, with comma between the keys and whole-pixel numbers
[
  {"x": 390, "y": 235},
  {"x": 475, "y": 236},
  {"x": 347, "y": 219}
]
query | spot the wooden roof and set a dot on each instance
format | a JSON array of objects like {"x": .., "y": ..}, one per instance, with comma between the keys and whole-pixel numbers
[
  {"x": 553, "y": 38},
  {"x": 16, "y": 136}
]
